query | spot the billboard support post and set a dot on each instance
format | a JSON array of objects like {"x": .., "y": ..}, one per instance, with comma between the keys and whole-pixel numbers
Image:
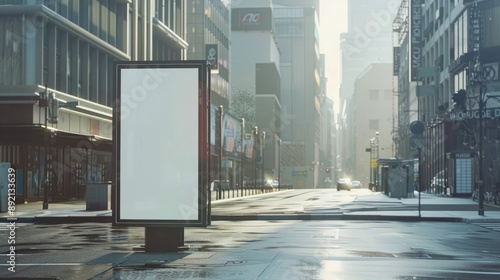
[{"x": 163, "y": 239}]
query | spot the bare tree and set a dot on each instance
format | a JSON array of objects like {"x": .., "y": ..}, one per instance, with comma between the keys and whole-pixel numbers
[{"x": 242, "y": 105}]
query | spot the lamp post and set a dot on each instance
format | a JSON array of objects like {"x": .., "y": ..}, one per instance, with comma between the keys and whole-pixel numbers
[
  {"x": 221, "y": 123},
  {"x": 483, "y": 99},
  {"x": 279, "y": 164},
  {"x": 44, "y": 103},
  {"x": 371, "y": 162},
  {"x": 481, "y": 132},
  {"x": 47, "y": 99},
  {"x": 242, "y": 154},
  {"x": 255, "y": 133},
  {"x": 377, "y": 156},
  {"x": 262, "y": 146}
]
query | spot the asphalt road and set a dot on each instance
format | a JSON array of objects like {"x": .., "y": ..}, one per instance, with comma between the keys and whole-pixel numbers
[
  {"x": 263, "y": 249},
  {"x": 325, "y": 201}
]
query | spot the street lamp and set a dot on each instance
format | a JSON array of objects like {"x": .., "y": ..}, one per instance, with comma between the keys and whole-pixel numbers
[
  {"x": 483, "y": 99},
  {"x": 255, "y": 133},
  {"x": 372, "y": 159},
  {"x": 242, "y": 154},
  {"x": 279, "y": 164},
  {"x": 48, "y": 99},
  {"x": 44, "y": 103},
  {"x": 377, "y": 156},
  {"x": 262, "y": 146},
  {"x": 221, "y": 123},
  {"x": 482, "y": 92}
]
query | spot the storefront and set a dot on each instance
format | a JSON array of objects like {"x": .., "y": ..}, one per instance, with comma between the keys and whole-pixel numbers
[{"x": 73, "y": 161}]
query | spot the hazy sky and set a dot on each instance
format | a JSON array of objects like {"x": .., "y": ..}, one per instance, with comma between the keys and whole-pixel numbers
[{"x": 333, "y": 21}]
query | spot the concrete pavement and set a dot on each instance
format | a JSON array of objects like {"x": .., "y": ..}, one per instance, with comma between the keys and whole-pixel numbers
[
  {"x": 274, "y": 257},
  {"x": 432, "y": 207}
]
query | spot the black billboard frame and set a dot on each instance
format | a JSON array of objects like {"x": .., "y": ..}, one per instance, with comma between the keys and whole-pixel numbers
[{"x": 203, "y": 97}]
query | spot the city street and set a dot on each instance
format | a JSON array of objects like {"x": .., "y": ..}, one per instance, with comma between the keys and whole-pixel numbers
[
  {"x": 274, "y": 248},
  {"x": 263, "y": 250}
]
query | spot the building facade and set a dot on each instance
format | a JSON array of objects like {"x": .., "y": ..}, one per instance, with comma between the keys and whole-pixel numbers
[
  {"x": 297, "y": 31},
  {"x": 208, "y": 36},
  {"x": 367, "y": 41},
  {"x": 456, "y": 52},
  {"x": 374, "y": 111},
  {"x": 328, "y": 139},
  {"x": 255, "y": 70},
  {"x": 56, "y": 84}
]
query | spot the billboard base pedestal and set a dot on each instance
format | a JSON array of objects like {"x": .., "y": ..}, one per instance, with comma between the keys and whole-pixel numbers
[{"x": 163, "y": 239}]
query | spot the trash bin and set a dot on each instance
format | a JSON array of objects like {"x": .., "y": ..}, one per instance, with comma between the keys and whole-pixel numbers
[{"x": 98, "y": 196}]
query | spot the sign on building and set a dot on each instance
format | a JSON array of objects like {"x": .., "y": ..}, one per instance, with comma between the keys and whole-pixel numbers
[
  {"x": 416, "y": 37},
  {"x": 212, "y": 53},
  {"x": 251, "y": 19}
]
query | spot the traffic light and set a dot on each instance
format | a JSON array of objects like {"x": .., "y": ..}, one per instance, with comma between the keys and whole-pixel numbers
[{"x": 459, "y": 99}]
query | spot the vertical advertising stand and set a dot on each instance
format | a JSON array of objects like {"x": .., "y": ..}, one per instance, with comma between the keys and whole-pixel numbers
[{"x": 161, "y": 149}]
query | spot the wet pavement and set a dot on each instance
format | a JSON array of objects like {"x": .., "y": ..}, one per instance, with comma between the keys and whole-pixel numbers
[
  {"x": 263, "y": 250},
  {"x": 362, "y": 235},
  {"x": 359, "y": 203}
]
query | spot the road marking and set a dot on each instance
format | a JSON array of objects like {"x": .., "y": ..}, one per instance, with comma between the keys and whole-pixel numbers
[
  {"x": 492, "y": 226},
  {"x": 474, "y": 272}
]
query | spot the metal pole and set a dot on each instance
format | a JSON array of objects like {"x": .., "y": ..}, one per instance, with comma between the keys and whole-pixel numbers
[
  {"x": 242, "y": 155},
  {"x": 371, "y": 160},
  {"x": 44, "y": 102},
  {"x": 256, "y": 137},
  {"x": 262, "y": 144},
  {"x": 377, "y": 157},
  {"x": 481, "y": 132},
  {"x": 279, "y": 164},
  {"x": 419, "y": 179},
  {"x": 45, "y": 177},
  {"x": 221, "y": 112}
]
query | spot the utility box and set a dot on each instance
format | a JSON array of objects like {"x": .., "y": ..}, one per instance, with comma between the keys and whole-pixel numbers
[
  {"x": 98, "y": 196},
  {"x": 397, "y": 177}
]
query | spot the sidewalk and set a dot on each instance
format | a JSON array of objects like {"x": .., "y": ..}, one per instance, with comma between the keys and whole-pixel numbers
[
  {"x": 432, "y": 206},
  {"x": 435, "y": 206}
]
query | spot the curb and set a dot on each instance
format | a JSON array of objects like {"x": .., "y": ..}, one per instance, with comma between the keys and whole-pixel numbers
[
  {"x": 334, "y": 217},
  {"x": 59, "y": 219},
  {"x": 253, "y": 217}
]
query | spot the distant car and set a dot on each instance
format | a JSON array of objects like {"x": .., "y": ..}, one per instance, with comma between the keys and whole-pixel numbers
[
  {"x": 438, "y": 181},
  {"x": 275, "y": 183},
  {"x": 344, "y": 184},
  {"x": 214, "y": 186},
  {"x": 356, "y": 184}
]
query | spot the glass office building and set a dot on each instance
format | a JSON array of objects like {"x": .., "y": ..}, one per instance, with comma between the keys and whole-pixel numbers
[{"x": 64, "y": 50}]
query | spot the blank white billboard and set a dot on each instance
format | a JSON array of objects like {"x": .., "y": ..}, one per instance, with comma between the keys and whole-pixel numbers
[{"x": 160, "y": 143}]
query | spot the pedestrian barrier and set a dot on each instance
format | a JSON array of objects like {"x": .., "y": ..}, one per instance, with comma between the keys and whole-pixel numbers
[{"x": 249, "y": 191}]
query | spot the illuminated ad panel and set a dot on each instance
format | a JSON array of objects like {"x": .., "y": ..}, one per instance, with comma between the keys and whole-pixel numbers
[{"x": 161, "y": 141}]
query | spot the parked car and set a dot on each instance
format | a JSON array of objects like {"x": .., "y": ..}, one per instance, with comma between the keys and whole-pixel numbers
[
  {"x": 356, "y": 184},
  {"x": 214, "y": 186},
  {"x": 439, "y": 181},
  {"x": 344, "y": 184},
  {"x": 273, "y": 183}
]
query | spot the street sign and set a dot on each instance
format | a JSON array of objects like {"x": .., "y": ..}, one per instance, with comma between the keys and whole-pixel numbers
[
  {"x": 417, "y": 141},
  {"x": 417, "y": 127}
]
